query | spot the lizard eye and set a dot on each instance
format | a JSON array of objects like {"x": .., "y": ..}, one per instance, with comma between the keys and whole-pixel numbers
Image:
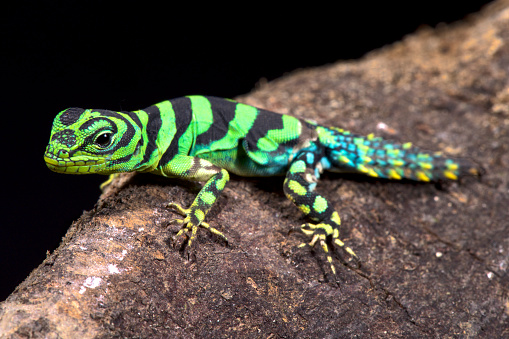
[{"x": 103, "y": 140}]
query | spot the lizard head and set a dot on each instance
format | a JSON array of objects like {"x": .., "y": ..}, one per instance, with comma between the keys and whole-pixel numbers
[{"x": 93, "y": 141}]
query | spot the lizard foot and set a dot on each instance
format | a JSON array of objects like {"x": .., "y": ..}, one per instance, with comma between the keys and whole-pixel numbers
[
  {"x": 189, "y": 225},
  {"x": 319, "y": 233}
]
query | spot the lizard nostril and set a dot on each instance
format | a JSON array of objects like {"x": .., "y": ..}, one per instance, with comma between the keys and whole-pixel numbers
[{"x": 63, "y": 154}]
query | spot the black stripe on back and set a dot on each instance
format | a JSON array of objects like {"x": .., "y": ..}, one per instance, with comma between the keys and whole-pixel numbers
[
  {"x": 183, "y": 116},
  {"x": 153, "y": 127},
  {"x": 264, "y": 122},
  {"x": 223, "y": 112}
]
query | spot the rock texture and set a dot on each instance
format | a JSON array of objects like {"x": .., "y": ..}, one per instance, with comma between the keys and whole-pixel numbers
[{"x": 434, "y": 257}]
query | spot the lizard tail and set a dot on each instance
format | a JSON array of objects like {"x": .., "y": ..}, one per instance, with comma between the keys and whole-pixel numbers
[{"x": 377, "y": 157}]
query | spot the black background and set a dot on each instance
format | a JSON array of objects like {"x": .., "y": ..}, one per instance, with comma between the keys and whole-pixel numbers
[{"x": 62, "y": 53}]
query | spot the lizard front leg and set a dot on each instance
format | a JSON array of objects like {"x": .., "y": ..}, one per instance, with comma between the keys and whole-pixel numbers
[
  {"x": 299, "y": 187},
  {"x": 195, "y": 169}
]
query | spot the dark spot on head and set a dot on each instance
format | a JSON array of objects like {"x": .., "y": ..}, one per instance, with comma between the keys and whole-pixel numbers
[
  {"x": 71, "y": 115},
  {"x": 65, "y": 137}
]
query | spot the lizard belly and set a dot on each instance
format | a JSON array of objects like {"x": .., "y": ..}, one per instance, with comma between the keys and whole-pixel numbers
[{"x": 238, "y": 161}]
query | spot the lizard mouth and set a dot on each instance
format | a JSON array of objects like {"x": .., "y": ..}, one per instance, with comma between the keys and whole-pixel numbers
[{"x": 73, "y": 166}]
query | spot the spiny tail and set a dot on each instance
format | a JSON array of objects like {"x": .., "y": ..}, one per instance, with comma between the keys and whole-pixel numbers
[{"x": 381, "y": 158}]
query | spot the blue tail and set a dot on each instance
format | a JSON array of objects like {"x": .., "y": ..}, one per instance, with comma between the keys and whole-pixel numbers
[{"x": 374, "y": 156}]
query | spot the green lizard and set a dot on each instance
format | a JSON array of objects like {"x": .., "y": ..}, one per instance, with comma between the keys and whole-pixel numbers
[{"x": 204, "y": 138}]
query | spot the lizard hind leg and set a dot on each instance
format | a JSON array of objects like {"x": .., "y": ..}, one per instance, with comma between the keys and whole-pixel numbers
[{"x": 299, "y": 187}]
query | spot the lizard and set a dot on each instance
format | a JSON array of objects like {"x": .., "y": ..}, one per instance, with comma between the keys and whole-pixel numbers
[{"x": 202, "y": 138}]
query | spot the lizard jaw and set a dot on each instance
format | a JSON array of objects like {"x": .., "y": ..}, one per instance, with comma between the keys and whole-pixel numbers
[{"x": 65, "y": 165}]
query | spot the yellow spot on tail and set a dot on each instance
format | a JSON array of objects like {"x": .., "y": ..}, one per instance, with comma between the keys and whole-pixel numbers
[
  {"x": 370, "y": 136},
  {"x": 393, "y": 152},
  {"x": 426, "y": 165},
  {"x": 344, "y": 159},
  {"x": 450, "y": 175},
  {"x": 393, "y": 174},
  {"x": 407, "y": 145},
  {"x": 397, "y": 162},
  {"x": 372, "y": 173},
  {"x": 363, "y": 148},
  {"x": 362, "y": 168},
  {"x": 366, "y": 159},
  {"x": 452, "y": 167},
  {"x": 421, "y": 176}
]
